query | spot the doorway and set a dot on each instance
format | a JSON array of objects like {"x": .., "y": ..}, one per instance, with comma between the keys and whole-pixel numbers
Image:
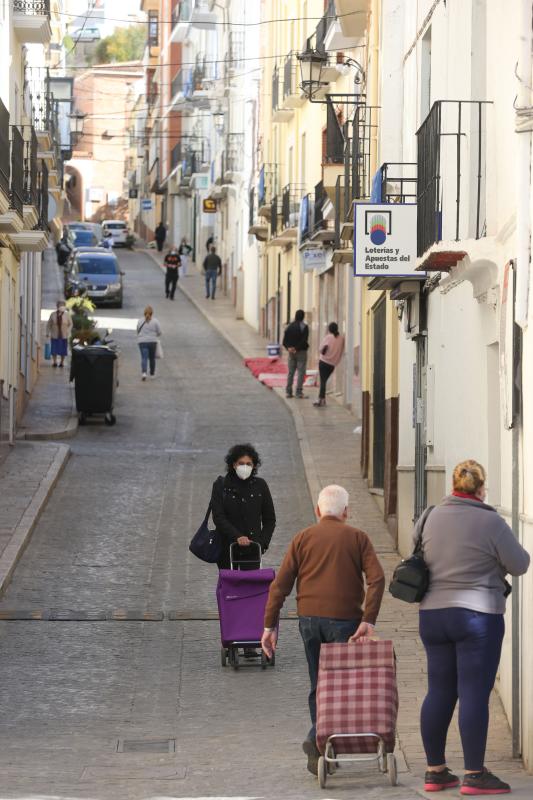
[{"x": 378, "y": 394}]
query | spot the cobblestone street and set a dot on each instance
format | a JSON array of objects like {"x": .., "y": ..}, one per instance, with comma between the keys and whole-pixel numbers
[{"x": 142, "y": 709}]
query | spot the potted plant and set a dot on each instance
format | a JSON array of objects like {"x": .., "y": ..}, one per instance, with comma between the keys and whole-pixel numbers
[{"x": 83, "y": 327}]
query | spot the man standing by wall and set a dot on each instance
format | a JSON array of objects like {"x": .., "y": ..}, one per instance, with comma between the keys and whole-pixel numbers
[{"x": 296, "y": 342}]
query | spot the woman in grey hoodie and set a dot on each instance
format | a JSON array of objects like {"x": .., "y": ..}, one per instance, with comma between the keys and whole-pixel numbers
[
  {"x": 469, "y": 549},
  {"x": 148, "y": 333}
]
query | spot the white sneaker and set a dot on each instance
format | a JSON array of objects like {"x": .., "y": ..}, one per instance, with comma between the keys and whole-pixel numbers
[{"x": 143, "y": 376}]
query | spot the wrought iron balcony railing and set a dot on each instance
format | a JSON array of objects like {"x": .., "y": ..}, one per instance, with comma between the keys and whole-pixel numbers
[
  {"x": 4, "y": 149},
  {"x": 275, "y": 88},
  {"x": 234, "y": 161},
  {"x": 31, "y": 186},
  {"x": 33, "y": 8},
  {"x": 17, "y": 170},
  {"x": 43, "y": 197},
  {"x": 451, "y": 172},
  {"x": 290, "y": 205},
  {"x": 274, "y": 216}
]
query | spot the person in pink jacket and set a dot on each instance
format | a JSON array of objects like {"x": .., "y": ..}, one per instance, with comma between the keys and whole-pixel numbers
[{"x": 331, "y": 352}]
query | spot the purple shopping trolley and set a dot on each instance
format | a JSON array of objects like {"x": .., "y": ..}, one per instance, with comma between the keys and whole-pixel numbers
[{"x": 241, "y": 598}]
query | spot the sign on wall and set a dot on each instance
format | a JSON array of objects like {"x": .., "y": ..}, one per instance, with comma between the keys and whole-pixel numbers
[
  {"x": 146, "y": 204},
  {"x": 384, "y": 239},
  {"x": 209, "y": 206},
  {"x": 313, "y": 259}
]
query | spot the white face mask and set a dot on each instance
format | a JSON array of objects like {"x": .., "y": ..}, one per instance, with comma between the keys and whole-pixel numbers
[{"x": 244, "y": 471}]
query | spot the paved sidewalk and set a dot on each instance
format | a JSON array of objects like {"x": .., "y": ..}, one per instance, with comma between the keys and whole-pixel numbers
[
  {"x": 28, "y": 474},
  {"x": 51, "y": 412},
  {"x": 330, "y": 447}
]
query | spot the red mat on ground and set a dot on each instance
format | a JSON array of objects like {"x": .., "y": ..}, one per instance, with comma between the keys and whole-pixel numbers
[{"x": 270, "y": 371}]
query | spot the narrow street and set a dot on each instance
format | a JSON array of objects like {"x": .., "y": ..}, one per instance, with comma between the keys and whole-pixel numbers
[{"x": 114, "y": 536}]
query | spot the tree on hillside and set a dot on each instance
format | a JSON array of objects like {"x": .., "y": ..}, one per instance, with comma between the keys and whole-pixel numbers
[{"x": 125, "y": 44}]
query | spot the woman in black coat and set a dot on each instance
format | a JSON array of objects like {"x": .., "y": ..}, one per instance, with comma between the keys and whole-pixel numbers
[{"x": 242, "y": 507}]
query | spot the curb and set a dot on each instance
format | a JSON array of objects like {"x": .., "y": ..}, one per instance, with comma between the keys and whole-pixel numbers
[
  {"x": 311, "y": 473},
  {"x": 22, "y": 534},
  {"x": 41, "y": 436}
]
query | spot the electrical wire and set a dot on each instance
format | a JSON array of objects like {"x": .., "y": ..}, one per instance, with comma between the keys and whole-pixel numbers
[{"x": 172, "y": 22}]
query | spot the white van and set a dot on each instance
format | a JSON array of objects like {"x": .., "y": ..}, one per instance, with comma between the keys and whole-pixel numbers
[{"x": 117, "y": 229}]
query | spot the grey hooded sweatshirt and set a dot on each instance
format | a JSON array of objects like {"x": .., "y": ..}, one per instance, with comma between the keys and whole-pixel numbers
[{"x": 469, "y": 550}]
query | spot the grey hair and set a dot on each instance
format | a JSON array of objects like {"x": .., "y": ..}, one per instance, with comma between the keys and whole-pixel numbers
[{"x": 333, "y": 500}]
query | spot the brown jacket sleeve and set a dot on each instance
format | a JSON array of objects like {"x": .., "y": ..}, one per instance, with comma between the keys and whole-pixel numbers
[
  {"x": 281, "y": 586},
  {"x": 375, "y": 581}
]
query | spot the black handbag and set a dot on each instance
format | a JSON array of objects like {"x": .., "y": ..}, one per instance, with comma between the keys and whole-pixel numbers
[
  {"x": 206, "y": 544},
  {"x": 410, "y": 579}
]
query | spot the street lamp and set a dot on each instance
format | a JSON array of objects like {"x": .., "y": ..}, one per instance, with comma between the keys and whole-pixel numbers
[
  {"x": 77, "y": 120},
  {"x": 312, "y": 64}
]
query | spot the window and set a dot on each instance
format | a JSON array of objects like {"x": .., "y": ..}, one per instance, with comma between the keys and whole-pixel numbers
[
  {"x": 97, "y": 265},
  {"x": 153, "y": 29}
]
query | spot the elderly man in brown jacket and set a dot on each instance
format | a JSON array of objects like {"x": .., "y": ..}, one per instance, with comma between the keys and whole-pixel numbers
[{"x": 330, "y": 562}]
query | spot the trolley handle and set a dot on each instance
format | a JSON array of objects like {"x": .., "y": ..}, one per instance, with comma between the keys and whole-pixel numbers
[{"x": 235, "y": 544}]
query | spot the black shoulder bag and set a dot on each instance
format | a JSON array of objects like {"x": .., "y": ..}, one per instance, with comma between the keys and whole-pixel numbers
[
  {"x": 206, "y": 544},
  {"x": 410, "y": 579}
]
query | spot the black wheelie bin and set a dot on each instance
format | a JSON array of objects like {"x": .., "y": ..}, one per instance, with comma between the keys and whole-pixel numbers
[{"x": 94, "y": 371}]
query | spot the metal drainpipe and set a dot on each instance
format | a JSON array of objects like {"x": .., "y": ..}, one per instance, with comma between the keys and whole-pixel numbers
[{"x": 516, "y": 722}]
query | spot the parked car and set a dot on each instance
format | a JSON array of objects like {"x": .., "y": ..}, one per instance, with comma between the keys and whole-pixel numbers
[
  {"x": 97, "y": 271},
  {"x": 67, "y": 268},
  {"x": 84, "y": 238},
  {"x": 118, "y": 229},
  {"x": 95, "y": 227}
]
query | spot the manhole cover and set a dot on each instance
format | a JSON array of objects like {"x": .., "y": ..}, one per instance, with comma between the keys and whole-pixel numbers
[{"x": 146, "y": 746}]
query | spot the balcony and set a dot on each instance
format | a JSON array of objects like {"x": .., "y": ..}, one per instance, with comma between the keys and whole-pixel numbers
[
  {"x": 181, "y": 19},
  {"x": 202, "y": 17},
  {"x": 234, "y": 157},
  {"x": 353, "y": 17},
  {"x": 31, "y": 186},
  {"x": 266, "y": 190},
  {"x": 292, "y": 95},
  {"x": 12, "y": 220},
  {"x": 332, "y": 70},
  {"x": 202, "y": 75},
  {"x": 5, "y": 170},
  {"x": 181, "y": 89},
  {"x": 236, "y": 52},
  {"x": 451, "y": 187},
  {"x": 279, "y": 113},
  {"x": 31, "y": 21},
  {"x": 36, "y": 239},
  {"x": 323, "y": 216},
  {"x": 284, "y": 225},
  {"x": 398, "y": 182},
  {"x": 335, "y": 38},
  {"x": 256, "y": 228},
  {"x": 46, "y": 125}
]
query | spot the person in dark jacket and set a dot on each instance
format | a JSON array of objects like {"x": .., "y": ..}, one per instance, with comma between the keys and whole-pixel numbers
[
  {"x": 172, "y": 264},
  {"x": 212, "y": 269},
  {"x": 296, "y": 342},
  {"x": 242, "y": 507},
  {"x": 160, "y": 235}
]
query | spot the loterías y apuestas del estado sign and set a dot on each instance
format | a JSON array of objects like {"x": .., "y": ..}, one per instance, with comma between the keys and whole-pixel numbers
[{"x": 384, "y": 239}]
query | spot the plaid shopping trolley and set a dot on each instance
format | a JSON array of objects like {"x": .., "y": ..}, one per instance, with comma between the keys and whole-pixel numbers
[{"x": 357, "y": 706}]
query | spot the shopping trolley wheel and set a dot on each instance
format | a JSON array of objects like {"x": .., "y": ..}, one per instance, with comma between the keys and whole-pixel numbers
[
  {"x": 223, "y": 656},
  {"x": 331, "y": 765},
  {"x": 322, "y": 772},
  {"x": 235, "y": 661},
  {"x": 110, "y": 419},
  {"x": 82, "y": 418},
  {"x": 392, "y": 769},
  {"x": 264, "y": 660},
  {"x": 272, "y": 660}
]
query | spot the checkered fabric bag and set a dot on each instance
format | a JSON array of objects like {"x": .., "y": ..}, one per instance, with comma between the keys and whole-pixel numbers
[{"x": 357, "y": 693}]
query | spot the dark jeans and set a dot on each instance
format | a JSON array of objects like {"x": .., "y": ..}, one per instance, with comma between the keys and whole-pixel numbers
[
  {"x": 325, "y": 371},
  {"x": 148, "y": 354},
  {"x": 463, "y": 651},
  {"x": 171, "y": 280},
  {"x": 210, "y": 282},
  {"x": 160, "y": 243},
  {"x": 315, "y": 631},
  {"x": 297, "y": 361}
]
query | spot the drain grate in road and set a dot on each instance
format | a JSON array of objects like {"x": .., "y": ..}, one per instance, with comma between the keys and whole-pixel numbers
[{"x": 146, "y": 746}]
